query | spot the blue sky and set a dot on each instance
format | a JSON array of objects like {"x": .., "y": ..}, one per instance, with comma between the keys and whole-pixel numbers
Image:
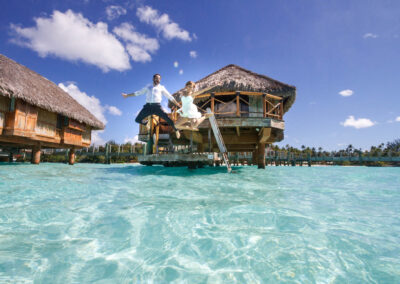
[{"x": 343, "y": 57}]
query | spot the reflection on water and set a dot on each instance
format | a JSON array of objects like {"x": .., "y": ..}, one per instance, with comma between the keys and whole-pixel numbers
[{"x": 135, "y": 224}]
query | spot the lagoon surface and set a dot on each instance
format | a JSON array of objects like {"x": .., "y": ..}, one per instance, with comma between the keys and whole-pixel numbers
[{"x": 135, "y": 224}]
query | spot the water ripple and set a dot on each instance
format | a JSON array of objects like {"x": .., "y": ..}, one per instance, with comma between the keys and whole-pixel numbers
[{"x": 134, "y": 224}]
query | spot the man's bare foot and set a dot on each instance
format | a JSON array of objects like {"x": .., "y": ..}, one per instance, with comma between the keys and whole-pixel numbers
[{"x": 178, "y": 134}]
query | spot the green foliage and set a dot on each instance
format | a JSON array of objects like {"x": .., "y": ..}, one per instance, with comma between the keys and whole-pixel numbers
[
  {"x": 98, "y": 159},
  {"x": 53, "y": 158}
]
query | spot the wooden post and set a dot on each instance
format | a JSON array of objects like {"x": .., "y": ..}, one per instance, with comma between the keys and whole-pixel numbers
[
  {"x": 71, "y": 158},
  {"x": 261, "y": 155},
  {"x": 264, "y": 105},
  {"x": 209, "y": 140},
  {"x": 212, "y": 101},
  {"x": 109, "y": 154},
  {"x": 10, "y": 157},
  {"x": 106, "y": 161},
  {"x": 200, "y": 148},
  {"x": 281, "y": 110},
  {"x": 191, "y": 142},
  {"x": 35, "y": 155},
  {"x": 238, "y": 104},
  {"x": 254, "y": 158}
]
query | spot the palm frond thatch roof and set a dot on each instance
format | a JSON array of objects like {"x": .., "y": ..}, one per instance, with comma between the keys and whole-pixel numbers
[
  {"x": 20, "y": 82},
  {"x": 236, "y": 78}
]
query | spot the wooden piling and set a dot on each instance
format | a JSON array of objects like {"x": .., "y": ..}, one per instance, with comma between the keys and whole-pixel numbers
[
  {"x": 254, "y": 157},
  {"x": 35, "y": 159},
  {"x": 261, "y": 155},
  {"x": 71, "y": 156}
]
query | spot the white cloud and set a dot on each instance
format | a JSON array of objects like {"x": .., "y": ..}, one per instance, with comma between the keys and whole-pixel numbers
[
  {"x": 163, "y": 23},
  {"x": 115, "y": 11},
  {"x": 139, "y": 46},
  {"x": 398, "y": 119},
  {"x": 346, "y": 93},
  {"x": 193, "y": 54},
  {"x": 113, "y": 110},
  {"x": 370, "y": 35},
  {"x": 91, "y": 103},
  {"x": 180, "y": 72},
  {"x": 357, "y": 123},
  {"x": 71, "y": 36},
  {"x": 194, "y": 36},
  {"x": 133, "y": 140},
  {"x": 176, "y": 64},
  {"x": 96, "y": 139}
]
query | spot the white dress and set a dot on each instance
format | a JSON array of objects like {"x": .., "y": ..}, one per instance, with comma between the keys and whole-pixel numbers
[{"x": 189, "y": 109}]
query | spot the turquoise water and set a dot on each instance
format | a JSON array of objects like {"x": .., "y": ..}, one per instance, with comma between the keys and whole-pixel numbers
[{"x": 135, "y": 224}]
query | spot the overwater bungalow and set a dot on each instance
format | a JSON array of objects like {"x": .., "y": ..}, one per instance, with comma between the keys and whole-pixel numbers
[
  {"x": 248, "y": 107},
  {"x": 35, "y": 113}
]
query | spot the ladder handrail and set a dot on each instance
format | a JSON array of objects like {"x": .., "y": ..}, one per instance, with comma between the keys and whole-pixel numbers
[{"x": 219, "y": 139}]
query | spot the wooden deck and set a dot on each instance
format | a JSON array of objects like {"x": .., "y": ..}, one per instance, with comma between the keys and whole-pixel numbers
[{"x": 178, "y": 160}]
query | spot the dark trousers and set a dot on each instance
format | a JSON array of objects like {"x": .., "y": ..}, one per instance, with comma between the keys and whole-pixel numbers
[{"x": 149, "y": 109}]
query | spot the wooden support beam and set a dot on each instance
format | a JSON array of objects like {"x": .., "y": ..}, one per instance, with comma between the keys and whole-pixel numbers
[
  {"x": 264, "y": 105},
  {"x": 234, "y": 139},
  {"x": 261, "y": 155},
  {"x": 212, "y": 102},
  {"x": 197, "y": 137},
  {"x": 264, "y": 134},
  {"x": 35, "y": 159},
  {"x": 157, "y": 136},
  {"x": 71, "y": 156},
  {"x": 245, "y": 122},
  {"x": 238, "y": 104},
  {"x": 237, "y": 130},
  {"x": 200, "y": 148},
  {"x": 255, "y": 157},
  {"x": 210, "y": 145}
]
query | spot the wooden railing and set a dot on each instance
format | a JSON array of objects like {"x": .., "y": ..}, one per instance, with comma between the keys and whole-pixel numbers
[{"x": 272, "y": 106}]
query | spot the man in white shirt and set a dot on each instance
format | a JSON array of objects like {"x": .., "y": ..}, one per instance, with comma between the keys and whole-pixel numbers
[{"x": 153, "y": 102}]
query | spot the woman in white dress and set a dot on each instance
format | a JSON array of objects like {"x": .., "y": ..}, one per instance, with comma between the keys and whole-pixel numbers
[{"x": 189, "y": 112}]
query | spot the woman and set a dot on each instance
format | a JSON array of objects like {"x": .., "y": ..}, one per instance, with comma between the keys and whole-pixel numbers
[{"x": 189, "y": 111}]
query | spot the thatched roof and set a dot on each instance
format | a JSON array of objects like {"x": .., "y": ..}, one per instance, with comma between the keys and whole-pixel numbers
[
  {"x": 236, "y": 78},
  {"x": 20, "y": 82}
]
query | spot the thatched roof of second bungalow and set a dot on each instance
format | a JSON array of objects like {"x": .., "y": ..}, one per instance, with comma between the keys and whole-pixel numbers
[
  {"x": 20, "y": 82},
  {"x": 236, "y": 78}
]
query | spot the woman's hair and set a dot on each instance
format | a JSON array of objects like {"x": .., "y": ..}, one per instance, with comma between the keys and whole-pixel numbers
[{"x": 190, "y": 83}]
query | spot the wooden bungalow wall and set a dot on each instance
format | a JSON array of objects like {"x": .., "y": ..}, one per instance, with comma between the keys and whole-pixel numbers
[
  {"x": 4, "y": 108},
  {"x": 21, "y": 120}
]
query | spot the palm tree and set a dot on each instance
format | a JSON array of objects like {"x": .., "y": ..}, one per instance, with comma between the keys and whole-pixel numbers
[{"x": 349, "y": 149}]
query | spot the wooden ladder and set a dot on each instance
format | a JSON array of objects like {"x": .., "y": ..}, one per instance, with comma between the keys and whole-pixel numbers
[{"x": 220, "y": 141}]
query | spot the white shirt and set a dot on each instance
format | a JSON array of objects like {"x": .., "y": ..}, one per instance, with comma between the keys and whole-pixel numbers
[{"x": 154, "y": 93}]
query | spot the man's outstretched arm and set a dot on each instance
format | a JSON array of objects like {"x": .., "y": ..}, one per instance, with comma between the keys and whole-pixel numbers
[{"x": 137, "y": 93}]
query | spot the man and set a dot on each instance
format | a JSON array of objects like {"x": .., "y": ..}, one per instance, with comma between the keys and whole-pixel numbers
[{"x": 153, "y": 102}]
